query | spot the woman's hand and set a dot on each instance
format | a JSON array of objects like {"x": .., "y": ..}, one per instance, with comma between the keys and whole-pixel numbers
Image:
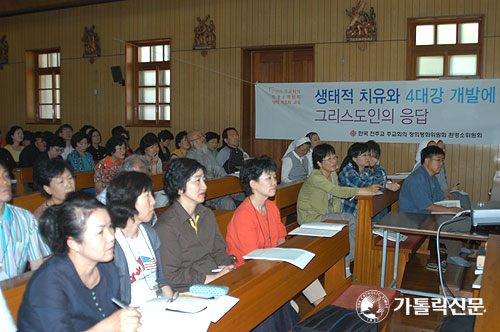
[
  {"x": 124, "y": 320},
  {"x": 370, "y": 190},
  {"x": 225, "y": 269},
  {"x": 167, "y": 291},
  {"x": 392, "y": 186}
]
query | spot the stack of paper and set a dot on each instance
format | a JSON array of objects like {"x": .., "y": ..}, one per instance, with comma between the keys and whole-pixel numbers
[
  {"x": 321, "y": 229},
  {"x": 298, "y": 257},
  {"x": 391, "y": 236}
]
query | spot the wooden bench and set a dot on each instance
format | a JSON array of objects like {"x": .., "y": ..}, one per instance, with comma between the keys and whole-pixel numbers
[
  {"x": 223, "y": 217},
  {"x": 13, "y": 290},
  {"x": 368, "y": 254},
  {"x": 29, "y": 201},
  {"x": 23, "y": 176},
  {"x": 286, "y": 198},
  {"x": 84, "y": 180}
]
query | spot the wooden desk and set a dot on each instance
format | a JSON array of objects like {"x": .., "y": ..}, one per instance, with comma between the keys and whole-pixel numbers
[
  {"x": 227, "y": 185},
  {"x": 13, "y": 290},
  {"x": 264, "y": 286},
  {"x": 490, "y": 290},
  {"x": 23, "y": 177}
]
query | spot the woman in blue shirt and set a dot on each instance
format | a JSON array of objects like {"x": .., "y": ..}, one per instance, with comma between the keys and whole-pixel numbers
[
  {"x": 79, "y": 158},
  {"x": 72, "y": 290}
]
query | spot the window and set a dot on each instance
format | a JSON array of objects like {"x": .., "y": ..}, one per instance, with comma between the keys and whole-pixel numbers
[
  {"x": 43, "y": 86},
  {"x": 148, "y": 83},
  {"x": 444, "y": 47}
]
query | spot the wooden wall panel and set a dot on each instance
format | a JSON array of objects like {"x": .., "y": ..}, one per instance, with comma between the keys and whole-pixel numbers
[{"x": 205, "y": 93}]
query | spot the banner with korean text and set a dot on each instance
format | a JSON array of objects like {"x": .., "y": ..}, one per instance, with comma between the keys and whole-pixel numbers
[{"x": 456, "y": 111}]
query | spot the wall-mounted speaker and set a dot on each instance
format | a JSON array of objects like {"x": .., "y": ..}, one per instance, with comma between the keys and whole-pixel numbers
[{"x": 116, "y": 71}]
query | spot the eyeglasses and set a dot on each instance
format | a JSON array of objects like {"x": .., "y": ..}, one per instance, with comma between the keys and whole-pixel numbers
[
  {"x": 331, "y": 158},
  {"x": 439, "y": 160}
]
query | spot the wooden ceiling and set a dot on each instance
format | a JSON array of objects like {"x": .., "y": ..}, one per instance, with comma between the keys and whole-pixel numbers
[{"x": 18, "y": 7}]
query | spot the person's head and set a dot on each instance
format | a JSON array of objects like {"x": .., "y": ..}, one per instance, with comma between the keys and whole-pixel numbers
[
  {"x": 55, "y": 177},
  {"x": 302, "y": 147},
  {"x": 95, "y": 137},
  {"x": 129, "y": 197},
  {"x": 183, "y": 177},
  {"x": 181, "y": 140},
  {"x": 164, "y": 137},
  {"x": 375, "y": 151},
  {"x": 39, "y": 141},
  {"x": 5, "y": 183},
  {"x": 358, "y": 155},
  {"x": 86, "y": 129},
  {"x": 324, "y": 158},
  {"x": 15, "y": 135},
  {"x": 65, "y": 131},
  {"x": 314, "y": 138},
  {"x": 80, "y": 142},
  {"x": 55, "y": 146},
  {"x": 120, "y": 131},
  {"x": 441, "y": 145},
  {"x": 432, "y": 159},
  {"x": 116, "y": 147},
  {"x": 28, "y": 138},
  {"x": 136, "y": 163},
  {"x": 258, "y": 176},
  {"x": 230, "y": 137},
  {"x": 197, "y": 140},
  {"x": 212, "y": 140},
  {"x": 149, "y": 145},
  {"x": 80, "y": 226}
]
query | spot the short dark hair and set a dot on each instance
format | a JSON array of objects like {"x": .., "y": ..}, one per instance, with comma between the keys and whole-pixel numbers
[
  {"x": 119, "y": 130},
  {"x": 148, "y": 140},
  {"x": 3, "y": 163},
  {"x": 320, "y": 152},
  {"x": 28, "y": 136},
  {"x": 430, "y": 152},
  {"x": 224, "y": 134},
  {"x": 113, "y": 142},
  {"x": 69, "y": 219},
  {"x": 178, "y": 173},
  {"x": 164, "y": 135},
  {"x": 8, "y": 136},
  {"x": 178, "y": 138},
  {"x": 36, "y": 135},
  {"x": 55, "y": 141},
  {"x": 91, "y": 132},
  {"x": 60, "y": 129},
  {"x": 122, "y": 195},
  {"x": 253, "y": 168},
  {"x": 210, "y": 135},
  {"x": 84, "y": 128},
  {"x": 48, "y": 169},
  {"x": 374, "y": 147},
  {"x": 76, "y": 138},
  {"x": 354, "y": 151},
  {"x": 311, "y": 134}
]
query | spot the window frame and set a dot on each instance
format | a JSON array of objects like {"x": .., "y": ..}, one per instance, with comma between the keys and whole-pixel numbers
[
  {"x": 413, "y": 51},
  {"x": 33, "y": 73},
  {"x": 132, "y": 69}
]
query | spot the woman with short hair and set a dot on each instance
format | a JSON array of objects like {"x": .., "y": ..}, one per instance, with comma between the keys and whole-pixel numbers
[
  {"x": 149, "y": 147},
  {"x": 137, "y": 250},
  {"x": 182, "y": 145},
  {"x": 14, "y": 138},
  {"x": 79, "y": 158},
  {"x": 97, "y": 151},
  {"x": 192, "y": 245},
  {"x": 72, "y": 290},
  {"x": 55, "y": 178}
]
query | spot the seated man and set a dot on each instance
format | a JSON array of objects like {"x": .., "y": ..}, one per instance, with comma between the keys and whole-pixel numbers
[
  {"x": 21, "y": 240},
  {"x": 421, "y": 190},
  {"x": 30, "y": 153},
  {"x": 199, "y": 152},
  {"x": 231, "y": 156}
]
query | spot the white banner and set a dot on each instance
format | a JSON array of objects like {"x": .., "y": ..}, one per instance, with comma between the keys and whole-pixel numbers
[{"x": 456, "y": 111}]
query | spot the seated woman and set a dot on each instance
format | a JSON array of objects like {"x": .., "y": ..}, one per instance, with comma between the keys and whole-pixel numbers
[
  {"x": 97, "y": 151},
  {"x": 294, "y": 164},
  {"x": 212, "y": 142},
  {"x": 354, "y": 173},
  {"x": 110, "y": 166},
  {"x": 137, "y": 249},
  {"x": 192, "y": 245},
  {"x": 182, "y": 145},
  {"x": 315, "y": 141},
  {"x": 14, "y": 138},
  {"x": 72, "y": 290},
  {"x": 55, "y": 178},
  {"x": 149, "y": 148},
  {"x": 79, "y": 158},
  {"x": 256, "y": 223},
  {"x": 164, "y": 137},
  {"x": 320, "y": 195}
]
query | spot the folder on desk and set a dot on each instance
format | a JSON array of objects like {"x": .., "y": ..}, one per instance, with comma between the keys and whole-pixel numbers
[
  {"x": 298, "y": 257},
  {"x": 320, "y": 229}
]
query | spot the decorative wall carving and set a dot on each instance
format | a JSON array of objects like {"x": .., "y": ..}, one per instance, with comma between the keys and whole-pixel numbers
[
  {"x": 91, "y": 44},
  {"x": 363, "y": 26},
  {"x": 204, "y": 34}
]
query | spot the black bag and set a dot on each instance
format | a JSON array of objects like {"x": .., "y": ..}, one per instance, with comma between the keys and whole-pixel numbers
[
  {"x": 458, "y": 324},
  {"x": 346, "y": 320}
]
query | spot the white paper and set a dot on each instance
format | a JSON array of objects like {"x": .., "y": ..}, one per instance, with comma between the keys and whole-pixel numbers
[
  {"x": 449, "y": 203},
  {"x": 377, "y": 193},
  {"x": 397, "y": 176},
  {"x": 297, "y": 257},
  {"x": 391, "y": 236},
  {"x": 319, "y": 229}
]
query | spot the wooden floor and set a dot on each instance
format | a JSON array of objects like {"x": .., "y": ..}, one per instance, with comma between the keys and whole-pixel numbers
[{"x": 416, "y": 278}]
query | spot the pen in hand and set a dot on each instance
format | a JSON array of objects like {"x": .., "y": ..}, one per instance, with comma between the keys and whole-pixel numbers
[{"x": 119, "y": 303}]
